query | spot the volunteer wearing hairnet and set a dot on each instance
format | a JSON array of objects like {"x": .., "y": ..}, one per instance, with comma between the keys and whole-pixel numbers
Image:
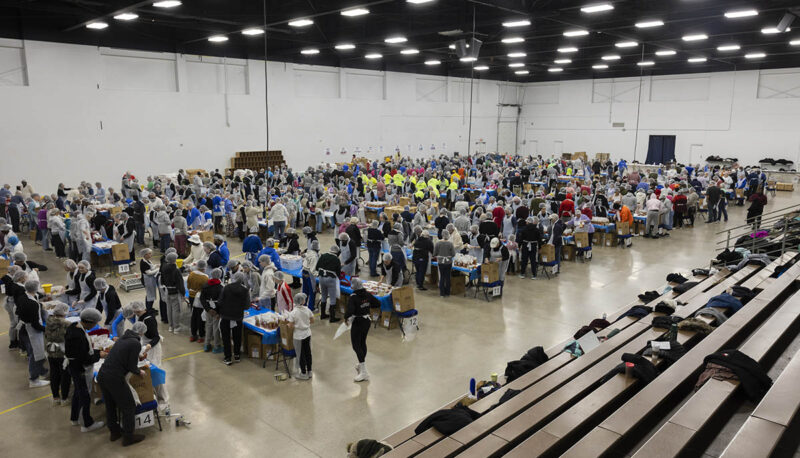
[{"x": 81, "y": 356}]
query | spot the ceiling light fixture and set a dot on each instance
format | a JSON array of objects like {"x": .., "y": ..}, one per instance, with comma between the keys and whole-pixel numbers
[
  {"x": 418, "y": 2},
  {"x": 409, "y": 51},
  {"x": 433, "y": 62},
  {"x": 126, "y": 16},
  {"x": 310, "y": 51},
  {"x": 355, "y": 12},
  {"x": 517, "y": 54},
  {"x": 567, "y": 50},
  {"x": 562, "y": 61},
  {"x": 626, "y": 44},
  {"x": 576, "y": 33},
  {"x": 396, "y": 40},
  {"x": 519, "y": 23},
  {"x": 648, "y": 24},
  {"x": 555, "y": 69},
  {"x": 300, "y": 22},
  {"x": 665, "y": 52},
  {"x": 167, "y": 4},
  {"x": 695, "y": 37},
  {"x": 600, "y": 66},
  {"x": 218, "y": 39},
  {"x": 521, "y": 72},
  {"x": 481, "y": 68},
  {"x": 696, "y": 60},
  {"x": 345, "y": 46},
  {"x": 468, "y": 59},
  {"x": 646, "y": 63},
  {"x": 794, "y": 43},
  {"x": 516, "y": 64},
  {"x": 740, "y": 13},
  {"x": 373, "y": 55},
  {"x": 755, "y": 55},
  {"x": 611, "y": 57},
  {"x": 729, "y": 48},
  {"x": 599, "y": 8},
  {"x": 772, "y": 30},
  {"x": 512, "y": 40},
  {"x": 253, "y": 31},
  {"x": 96, "y": 25}
]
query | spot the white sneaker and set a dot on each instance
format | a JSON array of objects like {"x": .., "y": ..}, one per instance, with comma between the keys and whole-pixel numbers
[
  {"x": 171, "y": 330},
  {"x": 65, "y": 402},
  {"x": 310, "y": 374},
  {"x": 37, "y": 383},
  {"x": 94, "y": 426},
  {"x": 301, "y": 376},
  {"x": 75, "y": 423},
  {"x": 362, "y": 376}
]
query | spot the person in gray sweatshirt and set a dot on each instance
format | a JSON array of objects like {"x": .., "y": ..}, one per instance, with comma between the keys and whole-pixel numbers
[{"x": 444, "y": 253}]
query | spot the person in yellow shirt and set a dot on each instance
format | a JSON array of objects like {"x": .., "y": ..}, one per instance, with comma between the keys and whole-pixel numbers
[
  {"x": 373, "y": 181},
  {"x": 399, "y": 179},
  {"x": 413, "y": 178},
  {"x": 387, "y": 178},
  {"x": 421, "y": 185},
  {"x": 453, "y": 185},
  {"x": 455, "y": 176},
  {"x": 433, "y": 183},
  {"x": 419, "y": 196}
]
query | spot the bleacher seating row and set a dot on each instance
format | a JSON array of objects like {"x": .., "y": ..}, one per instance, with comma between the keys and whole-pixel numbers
[{"x": 579, "y": 406}]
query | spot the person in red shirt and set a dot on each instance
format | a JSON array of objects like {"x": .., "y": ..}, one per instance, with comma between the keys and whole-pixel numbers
[
  {"x": 681, "y": 207},
  {"x": 497, "y": 215},
  {"x": 567, "y": 205}
]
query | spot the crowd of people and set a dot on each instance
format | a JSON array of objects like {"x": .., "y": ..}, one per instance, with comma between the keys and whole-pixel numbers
[{"x": 497, "y": 208}]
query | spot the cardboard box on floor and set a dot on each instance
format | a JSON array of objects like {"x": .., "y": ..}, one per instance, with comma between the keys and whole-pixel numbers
[
  {"x": 143, "y": 385},
  {"x": 403, "y": 299},
  {"x": 433, "y": 277},
  {"x": 341, "y": 304},
  {"x": 623, "y": 228},
  {"x": 389, "y": 320},
  {"x": 457, "y": 284},
  {"x": 597, "y": 238},
  {"x": 568, "y": 252},
  {"x": 610, "y": 239},
  {"x": 490, "y": 272},
  {"x": 119, "y": 252},
  {"x": 286, "y": 331},
  {"x": 254, "y": 347},
  {"x": 548, "y": 253},
  {"x": 581, "y": 239}
]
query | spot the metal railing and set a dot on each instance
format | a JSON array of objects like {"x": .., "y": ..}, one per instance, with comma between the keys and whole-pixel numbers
[{"x": 783, "y": 226}]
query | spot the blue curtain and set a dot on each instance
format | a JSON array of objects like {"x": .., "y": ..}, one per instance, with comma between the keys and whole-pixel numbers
[
  {"x": 668, "y": 149},
  {"x": 661, "y": 149}
]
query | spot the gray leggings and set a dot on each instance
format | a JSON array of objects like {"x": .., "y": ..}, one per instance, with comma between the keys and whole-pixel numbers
[
  {"x": 12, "y": 319},
  {"x": 328, "y": 288},
  {"x": 652, "y": 222},
  {"x": 174, "y": 310},
  {"x": 213, "y": 336}
]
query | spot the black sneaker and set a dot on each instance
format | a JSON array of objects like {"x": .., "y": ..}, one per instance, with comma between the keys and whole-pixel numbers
[
  {"x": 237, "y": 359},
  {"x": 227, "y": 362},
  {"x": 335, "y": 320},
  {"x": 324, "y": 316}
]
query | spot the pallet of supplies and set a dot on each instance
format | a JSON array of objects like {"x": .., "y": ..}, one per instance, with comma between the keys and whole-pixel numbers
[
  {"x": 581, "y": 239},
  {"x": 784, "y": 186},
  {"x": 403, "y": 299},
  {"x": 490, "y": 272},
  {"x": 4, "y": 265},
  {"x": 119, "y": 252},
  {"x": 548, "y": 252},
  {"x": 623, "y": 228}
]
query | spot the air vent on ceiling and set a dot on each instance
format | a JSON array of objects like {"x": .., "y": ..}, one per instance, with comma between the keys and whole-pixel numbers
[{"x": 618, "y": 124}]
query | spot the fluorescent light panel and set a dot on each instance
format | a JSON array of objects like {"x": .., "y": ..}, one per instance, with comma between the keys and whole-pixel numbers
[
  {"x": 418, "y": 2},
  {"x": 517, "y": 54},
  {"x": 600, "y": 66},
  {"x": 555, "y": 69},
  {"x": 167, "y": 4},
  {"x": 126, "y": 16},
  {"x": 300, "y": 22},
  {"x": 355, "y": 12},
  {"x": 396, "y": 40},
  {"x": 598, "y": 8},
  {"x": 611, "y": 57},
  {"x": 481, "y": 68},
  {"x": 626, "y": 44},
  {"x": 562, "y": 61},
  {"x": 218, "y": 39},
  {"x": 96, "y": 25},
  {"x": 517, "y": 23},
  {"x": 512, "y": 40},
  {"x": 740, "y": 13},
  {"x": 576, "y": 33},
  {"x": 567, "y": 49},
  {"x": 695, "y": 37},
  {"x": 468, "y": 59},
  {"x": 521, "y": 72},
  {"x": 253, "y": 31},
  {"x": 773, "y": 30},
  {"x": 345, "y": 46},
  {"x": 794, "y": 43},
  {"x": 646, "y": 63},
  {"x": 373, "y": 55},
  {"x": 665, "y": 52},
  {"x": 755, "y": 55},
  {"x": 516, "y": 64},
  {"x": 648, "y": 24},
  {"x": 310, "y": 51},
  {"x": 432, "y": 62},
  {"x": 729, "y": 48},
  {"x": 409, "y": 51},
  {"x": 696, "y": 60}
]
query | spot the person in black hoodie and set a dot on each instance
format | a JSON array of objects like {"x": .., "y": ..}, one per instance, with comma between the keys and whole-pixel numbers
[
  {"x": 358, "y": 315},
  {"x": 374, "y": 243},
  {"x": 138, "y": 219},
  {"x": 529, "y": 239},
  {"x": 122, "y": 359},
  {"x": 172, "y": 281},
  {"x": 31, "y": 316},
  {"x": 423, "y": 250},
  {"x": 107, "y": 300},
  {"x": 292, "y": 242},
  {"x": 78, "y": 351},
  {"x": 233, "y": 301},
  {"x": 209, "y": 298}
]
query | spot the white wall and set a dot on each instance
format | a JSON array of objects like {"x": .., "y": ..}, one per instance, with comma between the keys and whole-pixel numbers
[
  {"x": 71, "y": 113},
  {"x": 748, "y": 115}
]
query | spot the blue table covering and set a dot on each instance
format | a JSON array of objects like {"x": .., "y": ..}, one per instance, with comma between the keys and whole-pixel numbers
[{"x": 268, "y": 337}]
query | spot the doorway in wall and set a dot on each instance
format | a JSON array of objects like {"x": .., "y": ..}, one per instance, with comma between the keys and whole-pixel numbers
[
  {"x": 558, "y": 148},
  {"x": 507, "y": 137},
  {"x": 661, "y": 149},
  {"x": 532, "y": 147},
  {"x": 696, "y": 153}
]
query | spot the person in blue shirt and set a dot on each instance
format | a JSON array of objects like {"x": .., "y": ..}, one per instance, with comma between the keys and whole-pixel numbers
[
  {"x": 118, "y": 325},
  {"x": 643, "y": 185},
  {"x": 230, "y": 213},
  {"x": 269, "y": 250},
  {"x": 219, "y": 212},
  {"x": 222, "y": 248}
]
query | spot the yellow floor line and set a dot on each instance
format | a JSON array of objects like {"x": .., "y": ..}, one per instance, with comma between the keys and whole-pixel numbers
[
  {"x": 3, "y": 333},
  {"x": 25, "y": 404},
  {"x": 185, "y": 354}
]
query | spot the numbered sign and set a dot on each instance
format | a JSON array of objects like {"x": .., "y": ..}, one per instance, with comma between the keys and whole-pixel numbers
[
  {"x": 144, "y": 420},
  {"x": 496, "y": 291},
  {"x": 124, "y": 268}
]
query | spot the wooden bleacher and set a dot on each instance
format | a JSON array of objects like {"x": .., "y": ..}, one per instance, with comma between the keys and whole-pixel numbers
[{"x": 565, "y": 407}]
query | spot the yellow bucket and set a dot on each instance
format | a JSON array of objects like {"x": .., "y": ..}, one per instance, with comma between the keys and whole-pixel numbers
[
  {"x": 179, "y": 263},
  {"x": 66, "y": 215},
  {"x": 47, "y": 287},
  {"x": 277, "y": 244}
]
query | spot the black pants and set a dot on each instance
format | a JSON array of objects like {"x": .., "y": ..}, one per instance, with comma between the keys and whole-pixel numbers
[
  {"x": 358, "y": 337},
  {"x": 59, "y": 378},
  {"x": 305, "y": 355},
  {"x": 526, "y": 256},
  {"x": 81, "y": 400},
  {"x": 374, "y": 255},
  {"x": 117, "y": 395},
  {"x": 421, "y": 265},
  {"x": 218, "y": 223},
  {"x": 445, "y": 270},
  {"x": 227, "y": 333},
  {"x": 162, "y": 309},
  {"x": 58, "y": 244},
  {"x": 198, "y": 326}
]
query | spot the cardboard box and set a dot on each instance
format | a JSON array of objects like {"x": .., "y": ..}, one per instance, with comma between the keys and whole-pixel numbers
[
  {"x": 403, "y": 299},
  {"x": 597, "y": 238},
  {"x": 784, "y": 186},
  {"x": 254, "y": 347},
  {"x": 119, "y": 252},
  {"x": 286, "y": 336},
  {"x": 610, "y": 239},
  {"x": 458, "y": 285},
  {"x": 433, "y": 276},
  {"x": 341, "y": 303},
  {"x": 206, "y": 236},
  {"x": 548, "y": 253},
  {"x": 490, "y": 272},
  {"x": 739, "y": 192},
  {"x": 581, "y": 239},
  {"x": 389, "y": 320},
  {"x": 403, "y": 201},
  {"x": 4, "y": 265},
  {"x": 623, "y": 228},
  {"x": 115, "y": 210},
  {"x": 568, "y": 252},
  {"x": 143, "y": 386},
  {"x": 639, "y": 227},
  {"x": 32, "y": 234}
]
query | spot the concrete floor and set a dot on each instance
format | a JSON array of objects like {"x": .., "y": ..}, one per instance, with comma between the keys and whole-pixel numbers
[{"x": 242, "y": 411}]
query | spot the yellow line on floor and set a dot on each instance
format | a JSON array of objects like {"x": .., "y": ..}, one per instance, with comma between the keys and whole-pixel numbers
[
  {"x": 3, "y": 333},
  {"x": 25, "y": 404},
  {"x": 239, "y": 255},
  {"x": 185, "y": 354}
]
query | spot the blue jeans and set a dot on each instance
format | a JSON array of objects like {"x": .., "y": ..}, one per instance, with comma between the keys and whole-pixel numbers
[
  {"x": 45, "y": 233},
  {"x": 164, "y": 242},
  {"x": 319, "y": 219},
  {"x": 139, "y": 233},
  {"x": 374, "y": 254},
  {"x": 309, "y": 290},
  {"x": 279, "y": 227},
  {"x": 445, "y": 271}
]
